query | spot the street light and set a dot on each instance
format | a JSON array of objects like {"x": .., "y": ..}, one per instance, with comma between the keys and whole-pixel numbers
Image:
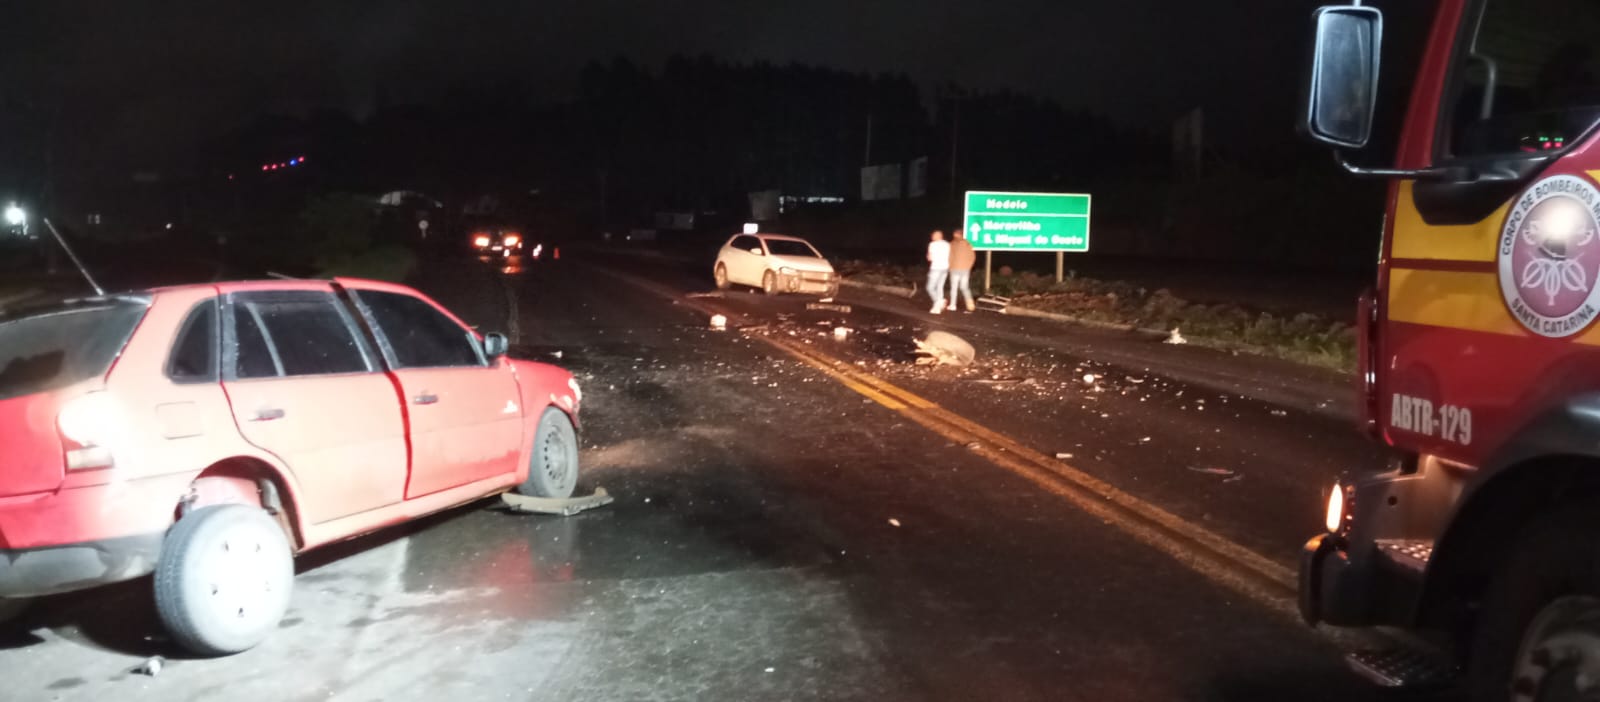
[{"x": 14, "y": 215}]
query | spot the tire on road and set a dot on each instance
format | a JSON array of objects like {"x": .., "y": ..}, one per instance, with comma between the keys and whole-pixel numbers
[
  {"x": 769, "y": 283},
  {"x": 1549, "y": 591},
  {"x": 553, "y": 467},
  {"x": 720, "y": 274},
  {"x": 224, "y": 578}
]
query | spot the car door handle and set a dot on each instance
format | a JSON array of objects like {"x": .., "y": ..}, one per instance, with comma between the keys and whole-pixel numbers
[
  {"x": 267, "y": 414},
  {"x": 426, "y": 398}
]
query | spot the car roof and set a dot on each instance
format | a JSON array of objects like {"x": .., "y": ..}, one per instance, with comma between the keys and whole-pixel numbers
[
  {"x": 269, "y": 285},
  {"x": 783, "y": 237}
]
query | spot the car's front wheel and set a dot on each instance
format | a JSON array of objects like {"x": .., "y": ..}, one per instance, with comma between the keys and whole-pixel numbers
[
  {"x": 223, "y": 580},
  {"x": 720, "y": 274},
  {"x": 553, "y": 468},
  {"x": 769, "y": 283}
]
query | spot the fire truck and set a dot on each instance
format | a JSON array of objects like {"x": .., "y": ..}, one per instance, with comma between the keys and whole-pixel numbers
[{"x": 1480, "y": 356}]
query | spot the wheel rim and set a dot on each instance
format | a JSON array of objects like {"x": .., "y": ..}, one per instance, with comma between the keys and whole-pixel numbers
[
  {"x": 238, "y": 572},
  {"x": 1559, "y": 658},
  {"x": 721, "y": 275},
  {"x": 768, "y": 283},
  {"x": 554, "y": 459}
]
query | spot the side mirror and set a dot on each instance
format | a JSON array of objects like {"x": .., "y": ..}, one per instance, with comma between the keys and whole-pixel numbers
[
  {"x": 495, "y": 345},
  {"x": 757, "y": 251},
  {"x": 1341, "y": 87}
]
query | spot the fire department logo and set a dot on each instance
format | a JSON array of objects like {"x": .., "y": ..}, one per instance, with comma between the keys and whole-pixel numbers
[{"x": 1549, "y": 257}]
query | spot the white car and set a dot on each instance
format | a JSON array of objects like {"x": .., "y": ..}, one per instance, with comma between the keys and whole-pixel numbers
[{"x": 776, "y": 264}]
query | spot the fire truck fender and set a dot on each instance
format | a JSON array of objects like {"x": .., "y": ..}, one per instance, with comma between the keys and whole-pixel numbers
[{"x": 1551, "y": 462}]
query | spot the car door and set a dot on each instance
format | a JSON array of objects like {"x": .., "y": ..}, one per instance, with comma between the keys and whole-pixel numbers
[
  {"x": 464, "y": 416},
  {"x": 750, "y": 265},
  {"x": 305, "y": 386}
]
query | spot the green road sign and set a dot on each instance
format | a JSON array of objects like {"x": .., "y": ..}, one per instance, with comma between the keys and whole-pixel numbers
[{"x": 1027, "y": 221}]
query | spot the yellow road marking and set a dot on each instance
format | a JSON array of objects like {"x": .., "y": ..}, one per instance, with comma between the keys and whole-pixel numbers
[
  {"x": 1252, "y": 575},
  {"x": 1212, "y": 555}
]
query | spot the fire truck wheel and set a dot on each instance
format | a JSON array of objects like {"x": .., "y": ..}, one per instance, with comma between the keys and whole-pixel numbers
[{"x": 1539, "y": 634}]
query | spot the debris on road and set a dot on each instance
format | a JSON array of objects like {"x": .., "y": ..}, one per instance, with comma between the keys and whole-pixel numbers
[
  {"x": 993, "y": 303},
  {"x": 1064, "y": 456},
  {"x": 1211, "y": 471},
  {"x": 1089, "y": 378},
  {"x": 1175, "y": 338},
  {"x": 151, "y": 667},
  {"x": 841, "y": 333},
  {"x": 705, "y": 294},
  {"x": 1279, "y": 413},
  {"x": 565, "y": 507},
  {"x": 828, "y": 307},
  {"x": 555, "y": 354},
  {"x": 1144, "y": 440},
  {"x": 719, "y": 322},
  {"x": 946, "y": 348},
  {"x": 894, "y": 522}
]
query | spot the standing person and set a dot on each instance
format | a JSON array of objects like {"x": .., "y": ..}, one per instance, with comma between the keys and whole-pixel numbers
[
  {"x": 962, "y": 256},
  {"x": 938, "y": 269}
]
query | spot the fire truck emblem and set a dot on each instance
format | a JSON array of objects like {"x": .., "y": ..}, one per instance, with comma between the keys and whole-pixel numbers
[{"x": 1549, "y": 256}]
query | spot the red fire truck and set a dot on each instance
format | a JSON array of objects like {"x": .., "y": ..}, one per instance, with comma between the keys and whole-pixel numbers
[{"x": 1480, "y": 352}]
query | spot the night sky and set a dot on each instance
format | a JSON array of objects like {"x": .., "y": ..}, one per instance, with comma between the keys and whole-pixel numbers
[{"x": 150, "y": 80}]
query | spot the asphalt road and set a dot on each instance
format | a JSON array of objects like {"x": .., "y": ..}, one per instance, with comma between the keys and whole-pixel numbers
[{"x": 803, "y": 517}]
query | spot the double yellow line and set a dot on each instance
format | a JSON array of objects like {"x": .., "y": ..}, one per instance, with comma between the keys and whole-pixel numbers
[{"x": 1240, "y": 569}]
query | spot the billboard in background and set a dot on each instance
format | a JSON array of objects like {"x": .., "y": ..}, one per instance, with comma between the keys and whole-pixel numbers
[
  {"x": 1000, "y": 221},
  {"x": 764, "y": 205},
  {"x": 917, "y": 177},
  {"x": 881, "y": 182}
]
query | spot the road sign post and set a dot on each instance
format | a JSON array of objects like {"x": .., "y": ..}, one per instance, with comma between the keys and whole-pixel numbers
[{"x": 1006, "y": 221}]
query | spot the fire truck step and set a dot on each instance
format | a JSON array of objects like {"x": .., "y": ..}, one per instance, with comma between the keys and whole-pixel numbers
[
  {"x": 1403, "y": 668},
  {"x": 1411, "y": 554}
]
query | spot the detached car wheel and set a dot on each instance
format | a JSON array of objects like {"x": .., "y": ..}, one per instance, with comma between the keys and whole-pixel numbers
[
  {"x": 769, "y": 283},
  {"x": 553, "y": 469},
  {"x": 223, "y": 580},
  {"x": 721, "y": 276}
]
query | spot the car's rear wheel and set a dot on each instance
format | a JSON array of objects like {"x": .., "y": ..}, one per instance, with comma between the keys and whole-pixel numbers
[
  {"x": 769, "y": 283},
  {"x": 553, "y": 468},
  {"x": 223, "y": 580},
  {"x": 720, "y": 274}
]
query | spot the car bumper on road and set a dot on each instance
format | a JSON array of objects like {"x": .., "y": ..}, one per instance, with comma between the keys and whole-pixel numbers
[
  {"x": 813, "y": 283},
  {"x": 53, "y": 569}
]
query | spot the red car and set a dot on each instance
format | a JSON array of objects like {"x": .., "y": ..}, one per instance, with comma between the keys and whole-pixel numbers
[{"x": 208, "y": 433}]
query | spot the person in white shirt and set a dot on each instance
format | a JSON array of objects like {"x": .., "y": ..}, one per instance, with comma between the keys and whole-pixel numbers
[{"x": 938, "y": 269}]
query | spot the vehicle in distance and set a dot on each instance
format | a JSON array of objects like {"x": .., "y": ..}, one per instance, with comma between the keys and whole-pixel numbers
[
  {"x": 498, "y": 242},
  {"x": 775, "y": 263},
  {"x": 209, "y": 433}
]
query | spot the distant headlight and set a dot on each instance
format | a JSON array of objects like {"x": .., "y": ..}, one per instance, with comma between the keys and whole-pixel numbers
[
  {"x": 481, "y": 241},
  {"x": 513, "y": 240}
]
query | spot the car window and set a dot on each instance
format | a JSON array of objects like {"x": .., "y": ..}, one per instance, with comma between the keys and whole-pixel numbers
[
  {"x": 304, "y": 333},
  {"x": 194, "y": 354},
  {"x": 745, "y": 243},
  {"x": 53, "y": 349},
  {"x": 418, "y": 335},
  {"x": 790, "y": 247}
]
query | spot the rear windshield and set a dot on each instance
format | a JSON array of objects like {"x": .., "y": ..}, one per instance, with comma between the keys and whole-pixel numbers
[{"x": 49, "y": 350}]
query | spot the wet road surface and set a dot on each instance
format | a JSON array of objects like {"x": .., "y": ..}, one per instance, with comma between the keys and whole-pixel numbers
[{"x": 778, "y": 535}]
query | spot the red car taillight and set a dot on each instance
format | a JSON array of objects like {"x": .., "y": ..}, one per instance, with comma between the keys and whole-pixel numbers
[{"x": 89, "y": 424}]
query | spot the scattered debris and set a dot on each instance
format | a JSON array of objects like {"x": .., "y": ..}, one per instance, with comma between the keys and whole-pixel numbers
[
  {"x": 1211, "y": 471},
  {"x": 555, "y": 354},
  {"x": 993, "y": 303},
  {"x": 151, "y": 667},
  {"x": 717, "y": 294},
  {"x": 1175, "y": 338},
  {"x": 1064, "y": 456},
  {"x": 894, "y": 522},
  {"x": 828, "y": 306},
  {"x": 1134, "y": 380},
  {"x": 719, "y": 322},
  {"x": 1279, "y": 413},
  {"x": 841, "y": 333},
  {"x": 998, "y": 381},
  {"x": 771, "y": 669},
  {"x": 565, "y": 507},
  {"x": 946, "y": 348},
  {"x": 1145, "y": 440},
  {"x": 1089, "y": 378}
]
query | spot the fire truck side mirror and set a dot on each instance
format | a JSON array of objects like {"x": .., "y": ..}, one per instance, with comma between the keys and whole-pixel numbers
[{"x": 1341, "y": 87}]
